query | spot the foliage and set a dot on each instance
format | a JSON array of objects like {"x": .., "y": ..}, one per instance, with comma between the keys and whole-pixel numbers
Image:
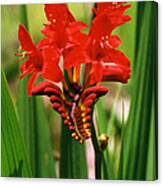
[{"x": 28, "y": 138}]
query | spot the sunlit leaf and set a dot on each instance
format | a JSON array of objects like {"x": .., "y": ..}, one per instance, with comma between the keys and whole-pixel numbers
[{"x": 14, "y": 155}]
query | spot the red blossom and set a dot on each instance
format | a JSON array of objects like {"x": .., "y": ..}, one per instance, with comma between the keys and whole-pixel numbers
[
  {"x": 59, "y": 55},
  {"x": 62, "y": 27},
  {"x": 58, "y": 13},
  {"x": 51, "y": 59},
  {"x": 115, "y": 11},
  {"x": 38, "y": 61},
  {"x": 33, "y": 64},
  {"x": 63, "y": 33},
  {"x": 108, "y": 63}
]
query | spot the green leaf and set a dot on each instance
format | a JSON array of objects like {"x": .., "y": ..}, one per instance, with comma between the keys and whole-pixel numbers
[
  {"x": 111, "y": 125},
  {"x": 101, "y": 116},
  {"x": 151, "y": 168},
  {"x": 36, "y": 133},
  {"x": 35, "y": 127},
  {"x": 14, "y": 155},
  {"x": 45, "y": 164},
  {"x": 111, "y": 156},
  {"x": 73, "y": 158},
  {"x": 137, "y": 134}
]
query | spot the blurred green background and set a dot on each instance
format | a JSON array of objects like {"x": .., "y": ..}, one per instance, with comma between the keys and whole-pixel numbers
[{"x": 34, "y": 143}]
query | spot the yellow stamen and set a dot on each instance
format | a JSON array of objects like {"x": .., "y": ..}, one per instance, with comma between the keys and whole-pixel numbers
[
  {"x": 85, "y": 126},
  {"x": 77, "y": 137},
  {"x": 83, "y": 114},
  {"x": 88, "y": 134},
  {"x": 74, "y": 77},
  {"x": 84, "y": 120},
  {"x": 82, "y": 107}
]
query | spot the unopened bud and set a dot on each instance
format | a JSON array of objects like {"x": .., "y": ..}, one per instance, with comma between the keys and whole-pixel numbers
[{"x": 103, "y": 139}]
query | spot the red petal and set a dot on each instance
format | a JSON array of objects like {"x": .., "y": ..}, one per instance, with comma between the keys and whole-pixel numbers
[
  {"x": 110, "y": 7},
  {"x": 25, "y": 39},
  {"x": 114, "y": 41},
  {"x": 48, "y": 31},
  {"x": 58, "y": 13},
  {"x": 75, "y": 57},
  {"x": 101, "y": 27},
  {"x": 26, "y": 70},
  {"x": 31, "y": 81},
  {"x": 114, "y": 13},
  {"x": 80, "y": 39},
  {"x": 25, "y": 65},
  {"x": 76, "y": 26},
  {"x": 116, "y": 73},
  {"x": 57, "y": 35},
  {"x": 43, "y": 43},
  {"x": 119, "y": 11},
  {"x": 101, "y": 7},
  {"x": 97, "y": 71},
  {"x": 39, "y": 89},
  {"x": 51, "y": 69},
  {"x": 117, "y": 57}
]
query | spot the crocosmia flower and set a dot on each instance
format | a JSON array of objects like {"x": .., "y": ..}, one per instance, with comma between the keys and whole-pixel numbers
[{"x": 61, "y": 53}]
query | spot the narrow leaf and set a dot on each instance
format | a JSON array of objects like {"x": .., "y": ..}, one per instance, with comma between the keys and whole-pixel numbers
[
  {"x": 14, "y": 155},
  {"x": 136, "y": 139},
  {"x": 73, "y": 158},
  {"x": 35, "y": 127}
]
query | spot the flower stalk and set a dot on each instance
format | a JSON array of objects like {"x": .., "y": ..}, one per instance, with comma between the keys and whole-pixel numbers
[
  {"x": 98, "y": 153},
  {"x": 64, "y": 42}
]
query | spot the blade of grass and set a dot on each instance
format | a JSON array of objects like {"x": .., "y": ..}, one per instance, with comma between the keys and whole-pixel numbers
[
  {"x": 152, "y": 61},
  {"x": 35, "y": 126},
  {"x": 127, "y": 30},
  {"x": 73, "y": 158},
  {"x": 152, "y": 166},
  {"x": 25, "y": 106},
  {"x": 110, "y": 129},
  {"x": 101, "y": 116},
  {"x": 135, "y": 148},
  {"x": 45, "y": 164},
  {"x": 14, "y": 155},
  {"x": 151, "y": 161}
]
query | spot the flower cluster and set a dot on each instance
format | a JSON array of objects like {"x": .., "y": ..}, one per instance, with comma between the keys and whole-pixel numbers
[{"x": 65, "y": 52}]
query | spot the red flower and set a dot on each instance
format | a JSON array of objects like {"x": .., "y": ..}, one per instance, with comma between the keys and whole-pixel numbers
[
  {"x": 62, "y": 27},
  {"x": 63, "y": 33},
  {"x": 114, "y": 10},
  {"x": 51, "y": 69},
  {"x": 59, "y": 55},
  {"x": 33, "y": 64},
  {"x": 107, "y": 62},
  {"x": 57, "y": 13},
  {"x": 37, "y": 62}
]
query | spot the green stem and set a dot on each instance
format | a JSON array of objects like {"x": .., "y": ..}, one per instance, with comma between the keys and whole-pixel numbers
[
  {"x": 98, "y": 153},
  {"x": 23, "y": 14}
]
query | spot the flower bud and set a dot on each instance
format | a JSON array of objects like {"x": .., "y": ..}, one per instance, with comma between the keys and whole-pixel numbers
[{"x": 103, "y": 139}]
